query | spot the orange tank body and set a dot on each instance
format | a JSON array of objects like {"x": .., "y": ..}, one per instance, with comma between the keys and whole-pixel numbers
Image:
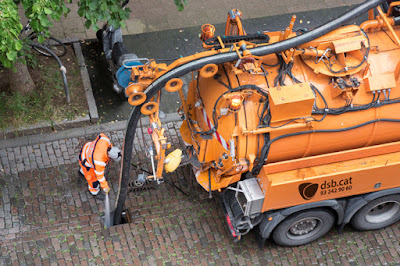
[
  {"x": 296, "y": 139},
  {"x": 291, "y": 105}
]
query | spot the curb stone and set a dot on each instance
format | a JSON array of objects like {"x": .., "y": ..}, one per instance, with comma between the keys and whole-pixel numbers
[
  {"x": 93, "y": 113},
  {"x": 75, "y": 132}
]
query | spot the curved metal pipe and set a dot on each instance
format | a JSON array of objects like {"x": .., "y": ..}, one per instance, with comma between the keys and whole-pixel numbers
[
  {"x": 370, "y": 24},
  {"x": 218, "y": 59}
]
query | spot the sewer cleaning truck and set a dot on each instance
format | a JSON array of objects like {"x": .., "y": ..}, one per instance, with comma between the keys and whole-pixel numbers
[{"x": 297, "y": 131}]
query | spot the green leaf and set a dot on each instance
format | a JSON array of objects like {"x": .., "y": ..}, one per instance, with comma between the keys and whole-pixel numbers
[
  {"x": 44, "y": 21},
  {"x": 108, "y": 16},
  {"x": 34, "y": 24},
  {"x": 92, "y": 6},
  {"x": 11, "y": 55},
  {"x": 103, "y": 6},
  {"x": 81, "y": 12},
  {"x": 88, "y": 23},
  {"x": 6, "y": 63},
  {"x": 180, "y": 4},
  {"x": 41, "y": 38},
  {"x": 17, "y": 45},
  {"x": 114, "y": 9},
  {"x": 180, "y": 7},
  {"x": 35, "y": 8},
  {"x": 47, "y": 11},
  {"x": 66, "y": 11}
]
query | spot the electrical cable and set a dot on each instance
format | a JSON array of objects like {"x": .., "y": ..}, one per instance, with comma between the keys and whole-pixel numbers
[
  {"x": 165, "y": 180},
  {"x": 273, "y": 65},
  {"x": 227, "y": 78},
  {"x": 215, "y": 120},
  {"x": 266, "y": 74},
  {"x": 218, "y": 78},
  {"x": 347, "y": 68}
]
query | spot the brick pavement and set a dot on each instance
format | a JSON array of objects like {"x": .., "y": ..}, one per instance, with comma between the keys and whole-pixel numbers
[{"x": 47, "y": 217}]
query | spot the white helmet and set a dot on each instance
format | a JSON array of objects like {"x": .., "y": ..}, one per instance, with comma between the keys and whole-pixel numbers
[{"x": 115, "y": 154}]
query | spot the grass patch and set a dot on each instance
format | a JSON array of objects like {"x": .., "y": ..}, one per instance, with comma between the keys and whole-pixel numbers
[{"x": 47, "y": 103}]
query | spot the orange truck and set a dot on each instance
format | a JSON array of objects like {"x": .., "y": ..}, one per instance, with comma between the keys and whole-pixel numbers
[{"x": 297, "y": 131}]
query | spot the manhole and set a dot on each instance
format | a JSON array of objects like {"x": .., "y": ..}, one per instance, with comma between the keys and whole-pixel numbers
[{"x": 125, "y": 218}]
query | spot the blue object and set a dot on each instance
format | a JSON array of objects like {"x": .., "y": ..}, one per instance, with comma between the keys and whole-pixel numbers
[{"x": 124, "y": 74}]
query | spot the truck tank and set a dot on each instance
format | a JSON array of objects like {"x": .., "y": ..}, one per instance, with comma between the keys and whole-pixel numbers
[
  {"x": 338, "y": 92},
  {"x": 290, "y": 126}
]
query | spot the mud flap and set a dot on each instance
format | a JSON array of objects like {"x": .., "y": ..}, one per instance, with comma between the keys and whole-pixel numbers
[{"x": 229, "y": 217}]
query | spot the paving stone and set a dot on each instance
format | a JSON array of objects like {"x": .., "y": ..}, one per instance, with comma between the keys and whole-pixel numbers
[
  {"x": 20, "y": 167},
  {"x": 4, "y": 160},
  {"x": 10, "y": 155},
  {"x": 3, "y": 153}
]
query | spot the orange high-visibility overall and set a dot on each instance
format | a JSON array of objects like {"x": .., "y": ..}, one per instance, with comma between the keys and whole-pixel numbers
[{"x": 93, "y": 160}]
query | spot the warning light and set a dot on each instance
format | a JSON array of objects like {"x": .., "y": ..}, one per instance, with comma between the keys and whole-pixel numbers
[
  {"x": 236, "y": 102},
  {"x": 207, "y": 32}
]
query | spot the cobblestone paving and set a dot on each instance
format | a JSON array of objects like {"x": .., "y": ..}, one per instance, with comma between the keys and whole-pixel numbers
[{"x": 48, "y": 217}]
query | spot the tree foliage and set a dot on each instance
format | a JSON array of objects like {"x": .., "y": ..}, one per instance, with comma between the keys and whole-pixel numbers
[
  {"x": 41, "y": 13},
  {"x": 180, "y": 4},
  {"x": 10, "y": 27},
  {"x": 103, "y": 10}
]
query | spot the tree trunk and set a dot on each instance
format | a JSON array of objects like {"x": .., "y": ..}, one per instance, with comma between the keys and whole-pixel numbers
[{"x": 21, "y": 80}]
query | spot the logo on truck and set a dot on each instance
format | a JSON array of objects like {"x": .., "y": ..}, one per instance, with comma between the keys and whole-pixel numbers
[
  {"x": 308, "y": 190},
  {"x": 336, "y": 186}
]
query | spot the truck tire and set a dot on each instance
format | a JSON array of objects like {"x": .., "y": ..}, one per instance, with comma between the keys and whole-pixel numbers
[
  {"x": 378, "y": 213},
  {"x": 303, "y": 227}
]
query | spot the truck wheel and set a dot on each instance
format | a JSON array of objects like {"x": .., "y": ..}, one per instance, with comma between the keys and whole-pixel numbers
[
  {"x": 378, "y": 213},
  {"x": 303, "y": 227}
]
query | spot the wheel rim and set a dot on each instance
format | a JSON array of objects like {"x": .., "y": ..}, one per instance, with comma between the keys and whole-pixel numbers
[
  {"x": 304, "y": 228},
  {"x": 382, "y": 212}
]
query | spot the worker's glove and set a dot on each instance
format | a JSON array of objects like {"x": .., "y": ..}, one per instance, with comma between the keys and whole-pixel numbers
[{"x": 106, "y": 189}]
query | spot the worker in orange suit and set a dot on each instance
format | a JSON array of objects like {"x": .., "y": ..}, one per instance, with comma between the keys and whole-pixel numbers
[{"x": 93, "y": 160}]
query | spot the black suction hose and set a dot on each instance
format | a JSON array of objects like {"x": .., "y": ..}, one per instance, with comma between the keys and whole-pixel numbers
[
  {"x": 62, "y": 68},
  {"x": 218, "y": 59},
  {"x": 317, "y": 32}
]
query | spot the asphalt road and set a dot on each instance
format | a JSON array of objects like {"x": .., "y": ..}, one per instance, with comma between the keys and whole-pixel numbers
[{"x": 172, "y": 44}]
